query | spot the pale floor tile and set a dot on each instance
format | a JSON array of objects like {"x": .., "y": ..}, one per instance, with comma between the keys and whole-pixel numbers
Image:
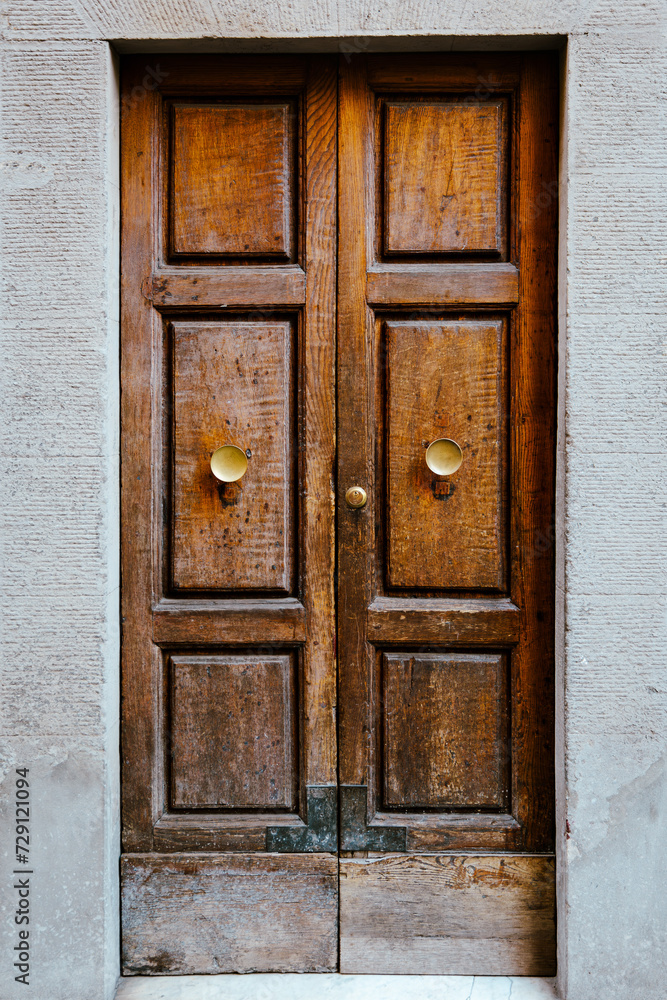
[{"x": 331, "y": 986}]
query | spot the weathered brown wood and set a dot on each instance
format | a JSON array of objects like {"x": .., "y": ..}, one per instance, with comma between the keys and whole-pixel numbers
[
  {"x": 479, "y": 832},
  {"x": 445, "y": 380},
  {"x": 442, "y": 284},
  {"x": 233, "y": 731},
  {"x": 233, "y": 385},
  {"x": 442, "y": 176},
  {"x": 491, "y": 621},
  {"x": 173, "y": 835},
  {"x": 532, "y": 449},
  {"x": 449, "y": 915},
  {"x": 183, "y": 622},
  {"x": 300, "y": 299},
  {"x": 356, "y": 450},
  {"x": 140, "y": 329},
  {"x": 233, "y": 75},
  {"x": 427, "y": 681},
  {"x": 318, "y": 366},
  {"x": 445, "y": 730},
  {"x": 475, "y": 75},
  {"x": 210, "y": 831},
  {"x": 392, "y": 549},
  {"x": 451, "y": 830},
  {"x": 229, "y": 287},
  {"x": 232, "y": 179},
  {"x": 279, "y": 831},
  {"x": 245, "y": 913}
]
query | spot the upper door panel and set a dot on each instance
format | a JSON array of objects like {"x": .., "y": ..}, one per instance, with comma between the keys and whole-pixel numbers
[
  {"x": 233, "y": 186},
  {"x": 444, "y": 175}
]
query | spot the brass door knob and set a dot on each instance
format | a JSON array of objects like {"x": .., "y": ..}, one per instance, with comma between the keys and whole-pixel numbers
[
  {"x": 443, "y": 456},
  {"x": 356, "y": 497},
  {"x": 228, "y": 463}
]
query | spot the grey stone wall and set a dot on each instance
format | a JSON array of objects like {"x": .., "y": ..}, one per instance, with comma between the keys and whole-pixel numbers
[{"x": 59, "y": 453}]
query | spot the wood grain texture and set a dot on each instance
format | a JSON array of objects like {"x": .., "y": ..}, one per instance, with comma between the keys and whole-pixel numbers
[
  {"x": 318, "y": 458},
  {"x": 442, "y": 177},
  {"x": 245, "y": 913},
  {"x": 429, "y": 72},
  {"x": 445, "y": 380},
  {"x": 442, "y": 284},
  {"x": 491, "y": 621},
  {"x": 463, "y": 832},
  {"x": 532, "y": 450},
  {"x": 233, "y": 384},
  {"x": 356, "y": 446},
  {"x": 518, "y": 293},
  {"x": 444, "y": 730},
  {"x": 255, "y": 830},
  {"x": 519, "y": 413},
  {"x": 155, "y": 289},
  {"x": 449, "y": 915},
  {"x": 231, "y": 179},
  {"x": 233, "y": 731},
  {"x": 140, "y": 452},
  {"x": 228, "y": 287},
  {"x": 186, "y": 622},
  {"x": 180, "y": 831},
  {"x": 232, "y": 75}
]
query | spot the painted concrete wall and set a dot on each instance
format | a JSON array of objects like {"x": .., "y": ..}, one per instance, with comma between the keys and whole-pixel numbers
[{"x": 59, "y": 487}]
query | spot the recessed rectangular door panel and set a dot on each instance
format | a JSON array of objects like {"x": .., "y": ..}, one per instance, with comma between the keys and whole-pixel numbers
[
  {"x": 232, "y": 179},
  {"x": 445, "y": 728},
  {"x": 443, "y": 173},
  {"x": 233, "y": 385},
  {"x": 233, "y": 732},
  {"x": 446, "y": 381}
]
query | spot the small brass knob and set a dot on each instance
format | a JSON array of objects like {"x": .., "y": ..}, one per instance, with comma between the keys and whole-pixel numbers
[
  {"x": 228, "y": 463},
  {"x": 356, "y": 497},
  {"x": 443, "y": 456}
]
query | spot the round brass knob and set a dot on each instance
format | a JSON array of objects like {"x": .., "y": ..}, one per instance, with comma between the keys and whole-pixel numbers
[
  {"x": 356, "y": 497},
  {"x": 443, "y": 456},
  {"x": 228, "y": 463}
]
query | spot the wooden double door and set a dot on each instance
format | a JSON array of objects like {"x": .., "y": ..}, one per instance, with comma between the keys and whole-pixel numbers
[{"x": 337, "y": 723}]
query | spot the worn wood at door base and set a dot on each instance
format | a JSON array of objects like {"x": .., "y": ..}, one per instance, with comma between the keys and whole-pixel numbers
[
  {"x": 449, "y": 915},
  {"x": 188, "y": 914}
]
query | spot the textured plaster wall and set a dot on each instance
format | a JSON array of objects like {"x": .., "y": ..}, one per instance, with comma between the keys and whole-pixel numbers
[{"x": 59, "y": 402}]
